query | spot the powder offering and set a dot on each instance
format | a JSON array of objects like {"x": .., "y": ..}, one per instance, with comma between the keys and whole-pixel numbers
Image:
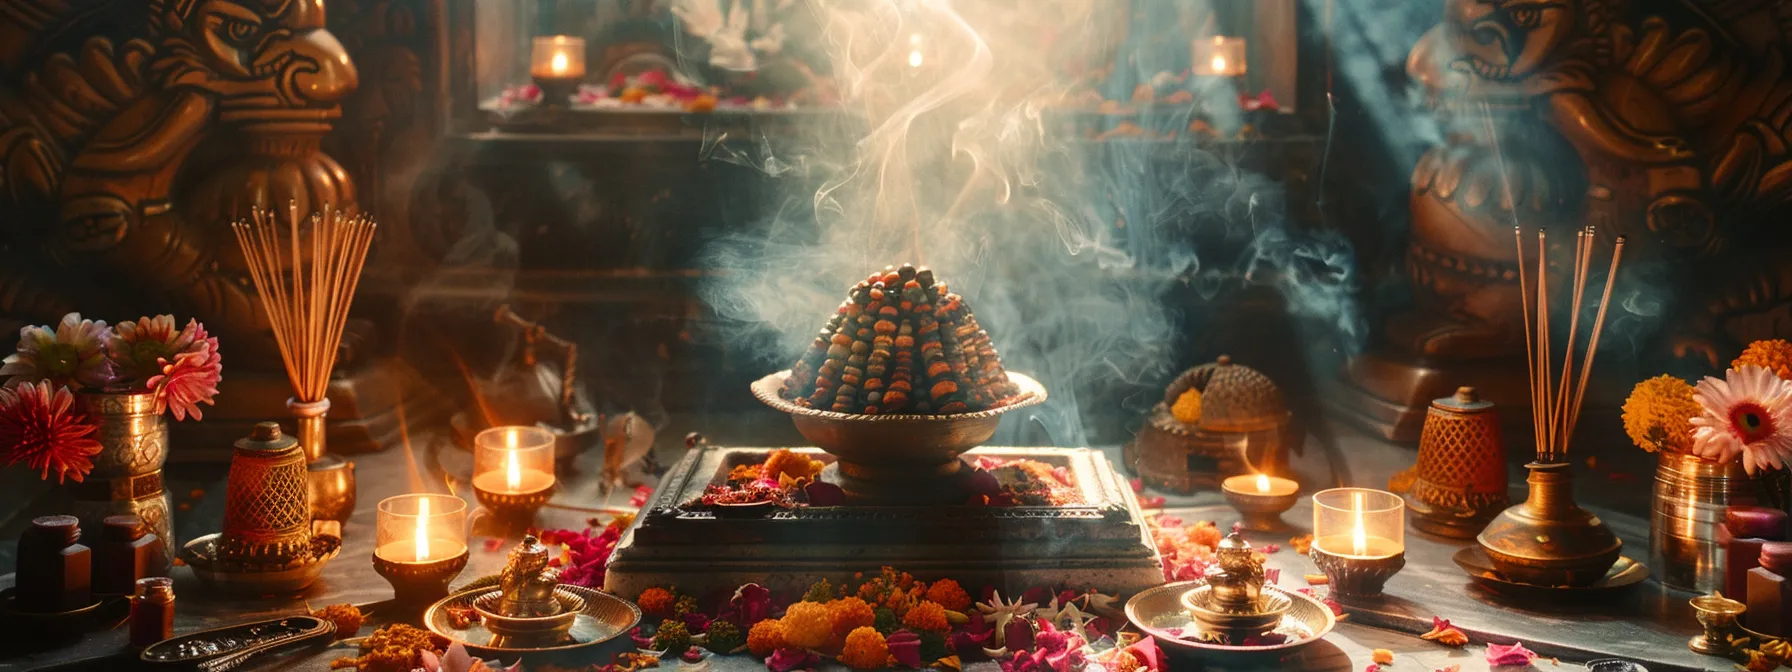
[
  {"x": 54, "y": 570},
  {"x": 152, "y": 611},
  {"x": 127, "y": 551}
]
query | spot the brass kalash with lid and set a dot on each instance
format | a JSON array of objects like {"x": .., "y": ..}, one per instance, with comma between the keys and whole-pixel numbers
[
  {"x": 1235, "y": 604},
  {"x": 529, "y": 607}
]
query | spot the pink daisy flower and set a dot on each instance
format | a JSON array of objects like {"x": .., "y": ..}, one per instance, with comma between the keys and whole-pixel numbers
[
  {"x": 1748, "y": 414},
  {"x": 38, "y": 428},
  {"x": 188, "y": 380}
]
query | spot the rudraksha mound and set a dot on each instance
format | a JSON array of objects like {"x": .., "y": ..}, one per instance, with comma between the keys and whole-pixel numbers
[{"x": 901, "y": 344}]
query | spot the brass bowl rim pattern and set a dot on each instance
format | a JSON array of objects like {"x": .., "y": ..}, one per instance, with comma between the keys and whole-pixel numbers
[
  {"x": 571, "y": 605},
  {"x": 1132, "y": 614},
  {"x": 590, "y": 595},
  {"x": 201, "y": 555},
  {"x": 769, "y": 391},
  {"x": 1273, "y": 594}
]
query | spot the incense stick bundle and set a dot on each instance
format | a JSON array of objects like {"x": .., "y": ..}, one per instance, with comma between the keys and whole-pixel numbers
[
  {"x": 306, "y": 276},
  {"x": 1554, "y": 409}
]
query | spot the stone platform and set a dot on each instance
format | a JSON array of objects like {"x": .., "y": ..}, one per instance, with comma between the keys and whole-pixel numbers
[{"x": 1100, "y": 542}]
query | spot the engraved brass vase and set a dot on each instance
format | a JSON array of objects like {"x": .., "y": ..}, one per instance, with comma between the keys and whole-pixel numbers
[{"x": 127, "y": 472}]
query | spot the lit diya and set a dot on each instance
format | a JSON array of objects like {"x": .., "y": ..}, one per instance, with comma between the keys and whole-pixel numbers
[
  {"x": 1359, "y": 539},
  {"x": 1261, "y": 499}
]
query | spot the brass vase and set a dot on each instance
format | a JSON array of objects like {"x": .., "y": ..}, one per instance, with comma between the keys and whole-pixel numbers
[
  {"x": 1690, "y": 496},
  {"x": 1549, "y": 540},
  {"x": 127, "y": 472}
]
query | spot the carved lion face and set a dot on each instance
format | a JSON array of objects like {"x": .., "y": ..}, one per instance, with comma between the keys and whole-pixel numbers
[
  {"x": 269, "y": 54},
  {"x": 1508, "y": 40}
]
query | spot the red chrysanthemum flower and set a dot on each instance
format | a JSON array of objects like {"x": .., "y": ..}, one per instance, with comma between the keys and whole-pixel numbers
[
  {"x": 38, "y": 428},
  {"x": 188, "y": 380}
]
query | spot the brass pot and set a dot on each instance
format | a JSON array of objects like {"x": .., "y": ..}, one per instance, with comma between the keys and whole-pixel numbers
[
  {"x": 1691, "y": 494},
  {"x": 127, "y": 472},
  {"x": 1549, "y": 540}
]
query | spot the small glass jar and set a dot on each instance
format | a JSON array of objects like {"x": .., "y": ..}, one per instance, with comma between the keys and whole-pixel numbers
[
  {"x": 152, "y": 611},
  {"x": 127, "y": 551},
  {"x": 55, "y": 572}
]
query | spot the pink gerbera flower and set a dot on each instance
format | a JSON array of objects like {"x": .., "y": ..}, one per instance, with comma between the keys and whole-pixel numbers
[
  {"x": 188, "y": 380},
  {"x": 38, "y": 428},
  {"x": 72, "y": 354},
  {"x": 1749, "y": 413}
]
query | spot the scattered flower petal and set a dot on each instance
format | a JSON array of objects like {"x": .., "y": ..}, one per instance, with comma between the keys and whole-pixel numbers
[{"x": 1509, "y": 654}]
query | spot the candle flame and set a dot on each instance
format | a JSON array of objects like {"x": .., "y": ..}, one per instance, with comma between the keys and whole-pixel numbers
[
  {"x": 1359, "y": 539},
  {"x": 1219, "y": 64},
  {"x": 422, "y": 529},
  {"x": 1262, "y": 483},
  {"x": 914, "y": 59},
  {"x": 559, "y": 64},
  {"x": 513, "y": 473}
]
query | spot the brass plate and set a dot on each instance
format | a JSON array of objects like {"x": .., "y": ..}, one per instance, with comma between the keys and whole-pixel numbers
[
  {"x": 201, "y": 555},
  {"x": 605, "y": 617},
  {"x": 1473, "y": 560},
  {"x": 1156, "y": 610}
]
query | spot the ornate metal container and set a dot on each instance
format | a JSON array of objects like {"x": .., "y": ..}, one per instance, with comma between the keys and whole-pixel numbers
[
  {"x": 1549, "y": 540},
  {"x": 127, "y": 472},
  {"x": 1244, "y": 428},
  {"x": 267, "y": 506},
  {"x": 1690, "y": 497},
  {"x": 1461, "y": 481}
]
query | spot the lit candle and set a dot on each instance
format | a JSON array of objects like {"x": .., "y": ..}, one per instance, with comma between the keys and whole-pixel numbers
[
  {"x": 420, "y": 528},
  {"x": 1359, "y": 523},
  {"x": 1260, "y": 499},
  {"x": 557, "y": 57},
  {"x": 1218, "y": 56},
  {"x": 1263, "y": 483},
  {"x": 513, "y": 460}
]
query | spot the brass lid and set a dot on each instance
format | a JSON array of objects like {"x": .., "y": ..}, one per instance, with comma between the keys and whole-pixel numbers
[
  {"x": 266, "y": 436},
  {"x": 1234, "y": 397},
  {"x": 1466, "y": 400}
]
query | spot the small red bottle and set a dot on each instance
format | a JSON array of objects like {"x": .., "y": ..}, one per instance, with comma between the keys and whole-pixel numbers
[{"x": 152, "y": 611}]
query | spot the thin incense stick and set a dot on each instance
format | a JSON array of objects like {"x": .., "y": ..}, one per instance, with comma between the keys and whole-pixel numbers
[
  {"x": 1524, "y": 296},
  {"x": 1577, "y": 289},
  {"x": 1543, "y": 370},
  {"x": 1605, "y": 300},
  {"x": 307, "y": 313}
]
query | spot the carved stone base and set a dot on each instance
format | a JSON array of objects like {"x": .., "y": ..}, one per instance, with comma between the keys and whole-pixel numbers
[
  {"x": 1101, "y": 543},
  {"x": 364, "y": 410}
]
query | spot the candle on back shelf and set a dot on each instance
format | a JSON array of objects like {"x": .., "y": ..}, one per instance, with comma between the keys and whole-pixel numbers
[
  {"x": 557, "y": 64},
  {"x": 513, "y": 469},
  {"x": 1218, "y": 56}
]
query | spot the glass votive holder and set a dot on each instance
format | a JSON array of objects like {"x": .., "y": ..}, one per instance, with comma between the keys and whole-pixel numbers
[
  {"x": 1217, "y": 56},
  {"x": 420, "y": 545},
  {"x": 513, "y": 470},
  {"x": 557, "y": 64},
  {"x": 1359, "y": 539}
]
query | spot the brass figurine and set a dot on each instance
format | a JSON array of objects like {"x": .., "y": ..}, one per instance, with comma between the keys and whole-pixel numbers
[
  {"x": 1234, "y": 602},
  {"x": 527, "y": 583}
]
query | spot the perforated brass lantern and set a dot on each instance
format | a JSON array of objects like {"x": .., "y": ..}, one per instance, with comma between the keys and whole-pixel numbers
[
  {"x": 1461, "y": 482},
  {"x": 267, "y": 501},
  {"x": 1244, "y": 428}
]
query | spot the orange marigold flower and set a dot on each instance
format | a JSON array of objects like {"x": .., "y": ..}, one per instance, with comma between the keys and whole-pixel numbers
[
  {"x": 1205, "y": 533},
  {"x": 1774, "y": 355},
  {"x": 655, "y": 602},
  {"x": 1658, "y": 415},
  {"x": 746, "y": 472},
  {"x": 949, "y": 594},
  {"x": 865, "y": 650},
  {"x": 850, "y": 614},
  {"x": 899, "y": 602},
  {"x": 1187, "y": 409},
  {"x": 928, "y": 615},
  {"x": 765, "y": 637},
  {"x": 808, "y": 625},
  {"x": 785, "y": 461}
]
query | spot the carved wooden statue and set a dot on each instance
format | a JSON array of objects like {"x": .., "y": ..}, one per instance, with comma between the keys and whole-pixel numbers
[
  {"x": 1666, "y": 121},
  {"x": 131, "y": 132}
]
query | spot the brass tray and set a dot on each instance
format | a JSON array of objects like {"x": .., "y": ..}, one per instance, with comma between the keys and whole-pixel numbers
[
  {"x": 605, "y": 618},
  {"x": 896, "y": 439},
  {"x": 201, "y": 555},
  {"x": 1473, "y": 560},
  {"x": 1157, "y": 610}
]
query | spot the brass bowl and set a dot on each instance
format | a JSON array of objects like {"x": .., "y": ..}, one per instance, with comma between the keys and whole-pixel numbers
[
  {"x": 522, "y": 629},
  {"x": 896, "y": 449},
  {"x": 1157, "y": 611},
  {"x": 1271, "y": 605},
  {"x": 332, "y": 483},
  {"x": 201, "y": 555},
  {"x": 604, "y": 619}
]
